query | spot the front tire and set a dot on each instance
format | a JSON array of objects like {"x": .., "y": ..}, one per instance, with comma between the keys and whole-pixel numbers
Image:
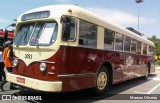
[{"x": 102, "y": 81}]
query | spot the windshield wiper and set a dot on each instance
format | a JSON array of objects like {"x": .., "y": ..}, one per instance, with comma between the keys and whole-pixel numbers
[{"x": 39, "y": 32}]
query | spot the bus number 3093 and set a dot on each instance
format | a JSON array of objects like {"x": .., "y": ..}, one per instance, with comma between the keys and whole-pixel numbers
[{"x": 28, "y": 56}]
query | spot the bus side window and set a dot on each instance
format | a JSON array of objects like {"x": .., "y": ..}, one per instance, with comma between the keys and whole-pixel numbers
[
  {"x": 109, "y": 39},
  {"x": 153, "y": 50},
  {"x": 133, "y": 46},
  {"x": 139, "y": 47},
  {"x": 87, "y": 34},
  {"x": 69, "y": 29},
  {"x": 145, "y": 49},
  {"x": 127, "y": 43},
  {"x": 119, "y": 42}
]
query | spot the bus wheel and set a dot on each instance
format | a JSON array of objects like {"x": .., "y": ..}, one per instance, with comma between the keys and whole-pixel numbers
[
  {"x": 147, "y": 73},
  {"x": 102, "y": 81}
]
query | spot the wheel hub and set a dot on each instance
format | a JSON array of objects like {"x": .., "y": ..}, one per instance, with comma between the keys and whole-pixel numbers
[{"x": 102, "y": 81}]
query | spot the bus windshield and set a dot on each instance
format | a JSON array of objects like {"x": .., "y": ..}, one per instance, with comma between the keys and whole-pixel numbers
[
  {"x": 23, "y": 34},
  {"x": 44, "y": 33}
]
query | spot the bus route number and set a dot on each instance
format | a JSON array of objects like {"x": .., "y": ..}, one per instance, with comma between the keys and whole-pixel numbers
[{"x": 28, "y": 56}]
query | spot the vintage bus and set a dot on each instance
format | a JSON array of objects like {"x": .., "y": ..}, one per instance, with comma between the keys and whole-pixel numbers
[{"x": 64, "y": 48}]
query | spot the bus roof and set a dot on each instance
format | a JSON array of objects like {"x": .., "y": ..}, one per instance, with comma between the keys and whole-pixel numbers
[{"x": 56, "y": 11}]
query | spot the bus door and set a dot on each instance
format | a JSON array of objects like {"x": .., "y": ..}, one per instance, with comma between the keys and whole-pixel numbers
[{"x": 69, "y": 41}]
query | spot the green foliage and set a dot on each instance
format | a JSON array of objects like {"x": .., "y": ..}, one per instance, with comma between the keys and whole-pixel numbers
[
  {"x": 158, "y": 62},
  {"x": 157, "y": 44}
]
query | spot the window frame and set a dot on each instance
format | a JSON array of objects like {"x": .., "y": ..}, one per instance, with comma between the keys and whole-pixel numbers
[
  {"x": 146, "y": 48},
  {"x": 121, "y": 41},
  {"x": 44, "y": 22},
  {"x": 139, "y": 42},
  {"x": 127, "y": 42},
  {"x": 35, "y": 24},
  {"x": 20, "y": 27},
  {"x": 76, "y": 23},
  {"x": 132, "y": 42},
  {"x": 88, "y": 30},
  {"x": 113, "y": 33}
]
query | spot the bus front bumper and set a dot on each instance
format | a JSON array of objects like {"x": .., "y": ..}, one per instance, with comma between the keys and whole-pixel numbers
[{"x": 34, "y": 83}]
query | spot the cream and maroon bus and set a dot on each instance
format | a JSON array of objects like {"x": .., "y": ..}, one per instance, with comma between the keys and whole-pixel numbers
[{"x": 64, "y": 48}]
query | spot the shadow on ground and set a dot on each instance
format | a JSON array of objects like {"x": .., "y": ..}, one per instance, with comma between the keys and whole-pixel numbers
[{"x": 85, "y": 95}]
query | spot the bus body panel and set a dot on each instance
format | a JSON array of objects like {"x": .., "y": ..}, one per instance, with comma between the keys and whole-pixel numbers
[
  {"x": 47, "y": 86},
  {"x": 33, "y": 69},
  {"x": 77, "y": 67},
  {"x": 80, "y": 66}
]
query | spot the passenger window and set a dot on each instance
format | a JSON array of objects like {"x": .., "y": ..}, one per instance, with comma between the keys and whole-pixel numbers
[
  {"x": 87, "y": 34},
  {"x": 119, "y": 42},
  {"x": 127, "y": 43},
  {"x": 139, "y": 47},
  {"x": 109, "y": 39},
  {"x": 144, "y": 49},
  {"x": 151, "y": 51},
  {"x": 133, "y": 47}
]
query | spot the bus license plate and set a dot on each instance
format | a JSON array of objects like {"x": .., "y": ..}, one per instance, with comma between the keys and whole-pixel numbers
[{"x": 20, "y": 80}]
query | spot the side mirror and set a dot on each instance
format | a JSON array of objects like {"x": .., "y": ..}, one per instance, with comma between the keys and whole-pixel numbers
[
  {"x": 13, "y": 25},
  {"x": 6, "y": 31},
  {"x": 5, "y": 36}
]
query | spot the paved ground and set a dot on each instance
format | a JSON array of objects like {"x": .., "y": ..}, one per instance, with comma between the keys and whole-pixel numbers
[
  {"x": 157, "y": 68},
  {"x": 119, "y": 93}
]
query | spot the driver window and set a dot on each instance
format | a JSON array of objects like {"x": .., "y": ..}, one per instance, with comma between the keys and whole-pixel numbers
[{"x": 69, "y": 29}]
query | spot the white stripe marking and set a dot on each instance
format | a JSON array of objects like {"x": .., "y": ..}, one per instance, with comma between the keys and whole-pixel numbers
[
  {"x": 153, "y": 89},
  {"x": 156, "y": 79},
  {"x": 138, "y": 92},
  {"x": 150, "y": 90}
]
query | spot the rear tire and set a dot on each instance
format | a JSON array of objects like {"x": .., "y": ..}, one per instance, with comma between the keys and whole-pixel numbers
[
  {"x": 147, "y": 73},
  {"x": 102, "y": 81}
]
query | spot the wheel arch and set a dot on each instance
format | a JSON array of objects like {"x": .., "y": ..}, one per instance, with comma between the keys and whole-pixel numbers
[{"x": 109, "y": 66}]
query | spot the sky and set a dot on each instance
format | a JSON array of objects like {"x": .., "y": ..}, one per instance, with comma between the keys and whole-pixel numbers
[{"x": 121, "y": 12}]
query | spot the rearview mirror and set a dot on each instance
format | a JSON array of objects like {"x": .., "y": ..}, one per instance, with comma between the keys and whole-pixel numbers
[{"x": 13, "y": 25}]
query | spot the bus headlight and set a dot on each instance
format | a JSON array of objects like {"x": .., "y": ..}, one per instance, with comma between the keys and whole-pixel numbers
[
  {"x": 15, "y": 62},
  {"x": 42, "y": 67}
]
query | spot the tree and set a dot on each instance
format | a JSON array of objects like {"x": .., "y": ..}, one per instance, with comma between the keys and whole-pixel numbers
[{"x": 157, "y": 44}]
